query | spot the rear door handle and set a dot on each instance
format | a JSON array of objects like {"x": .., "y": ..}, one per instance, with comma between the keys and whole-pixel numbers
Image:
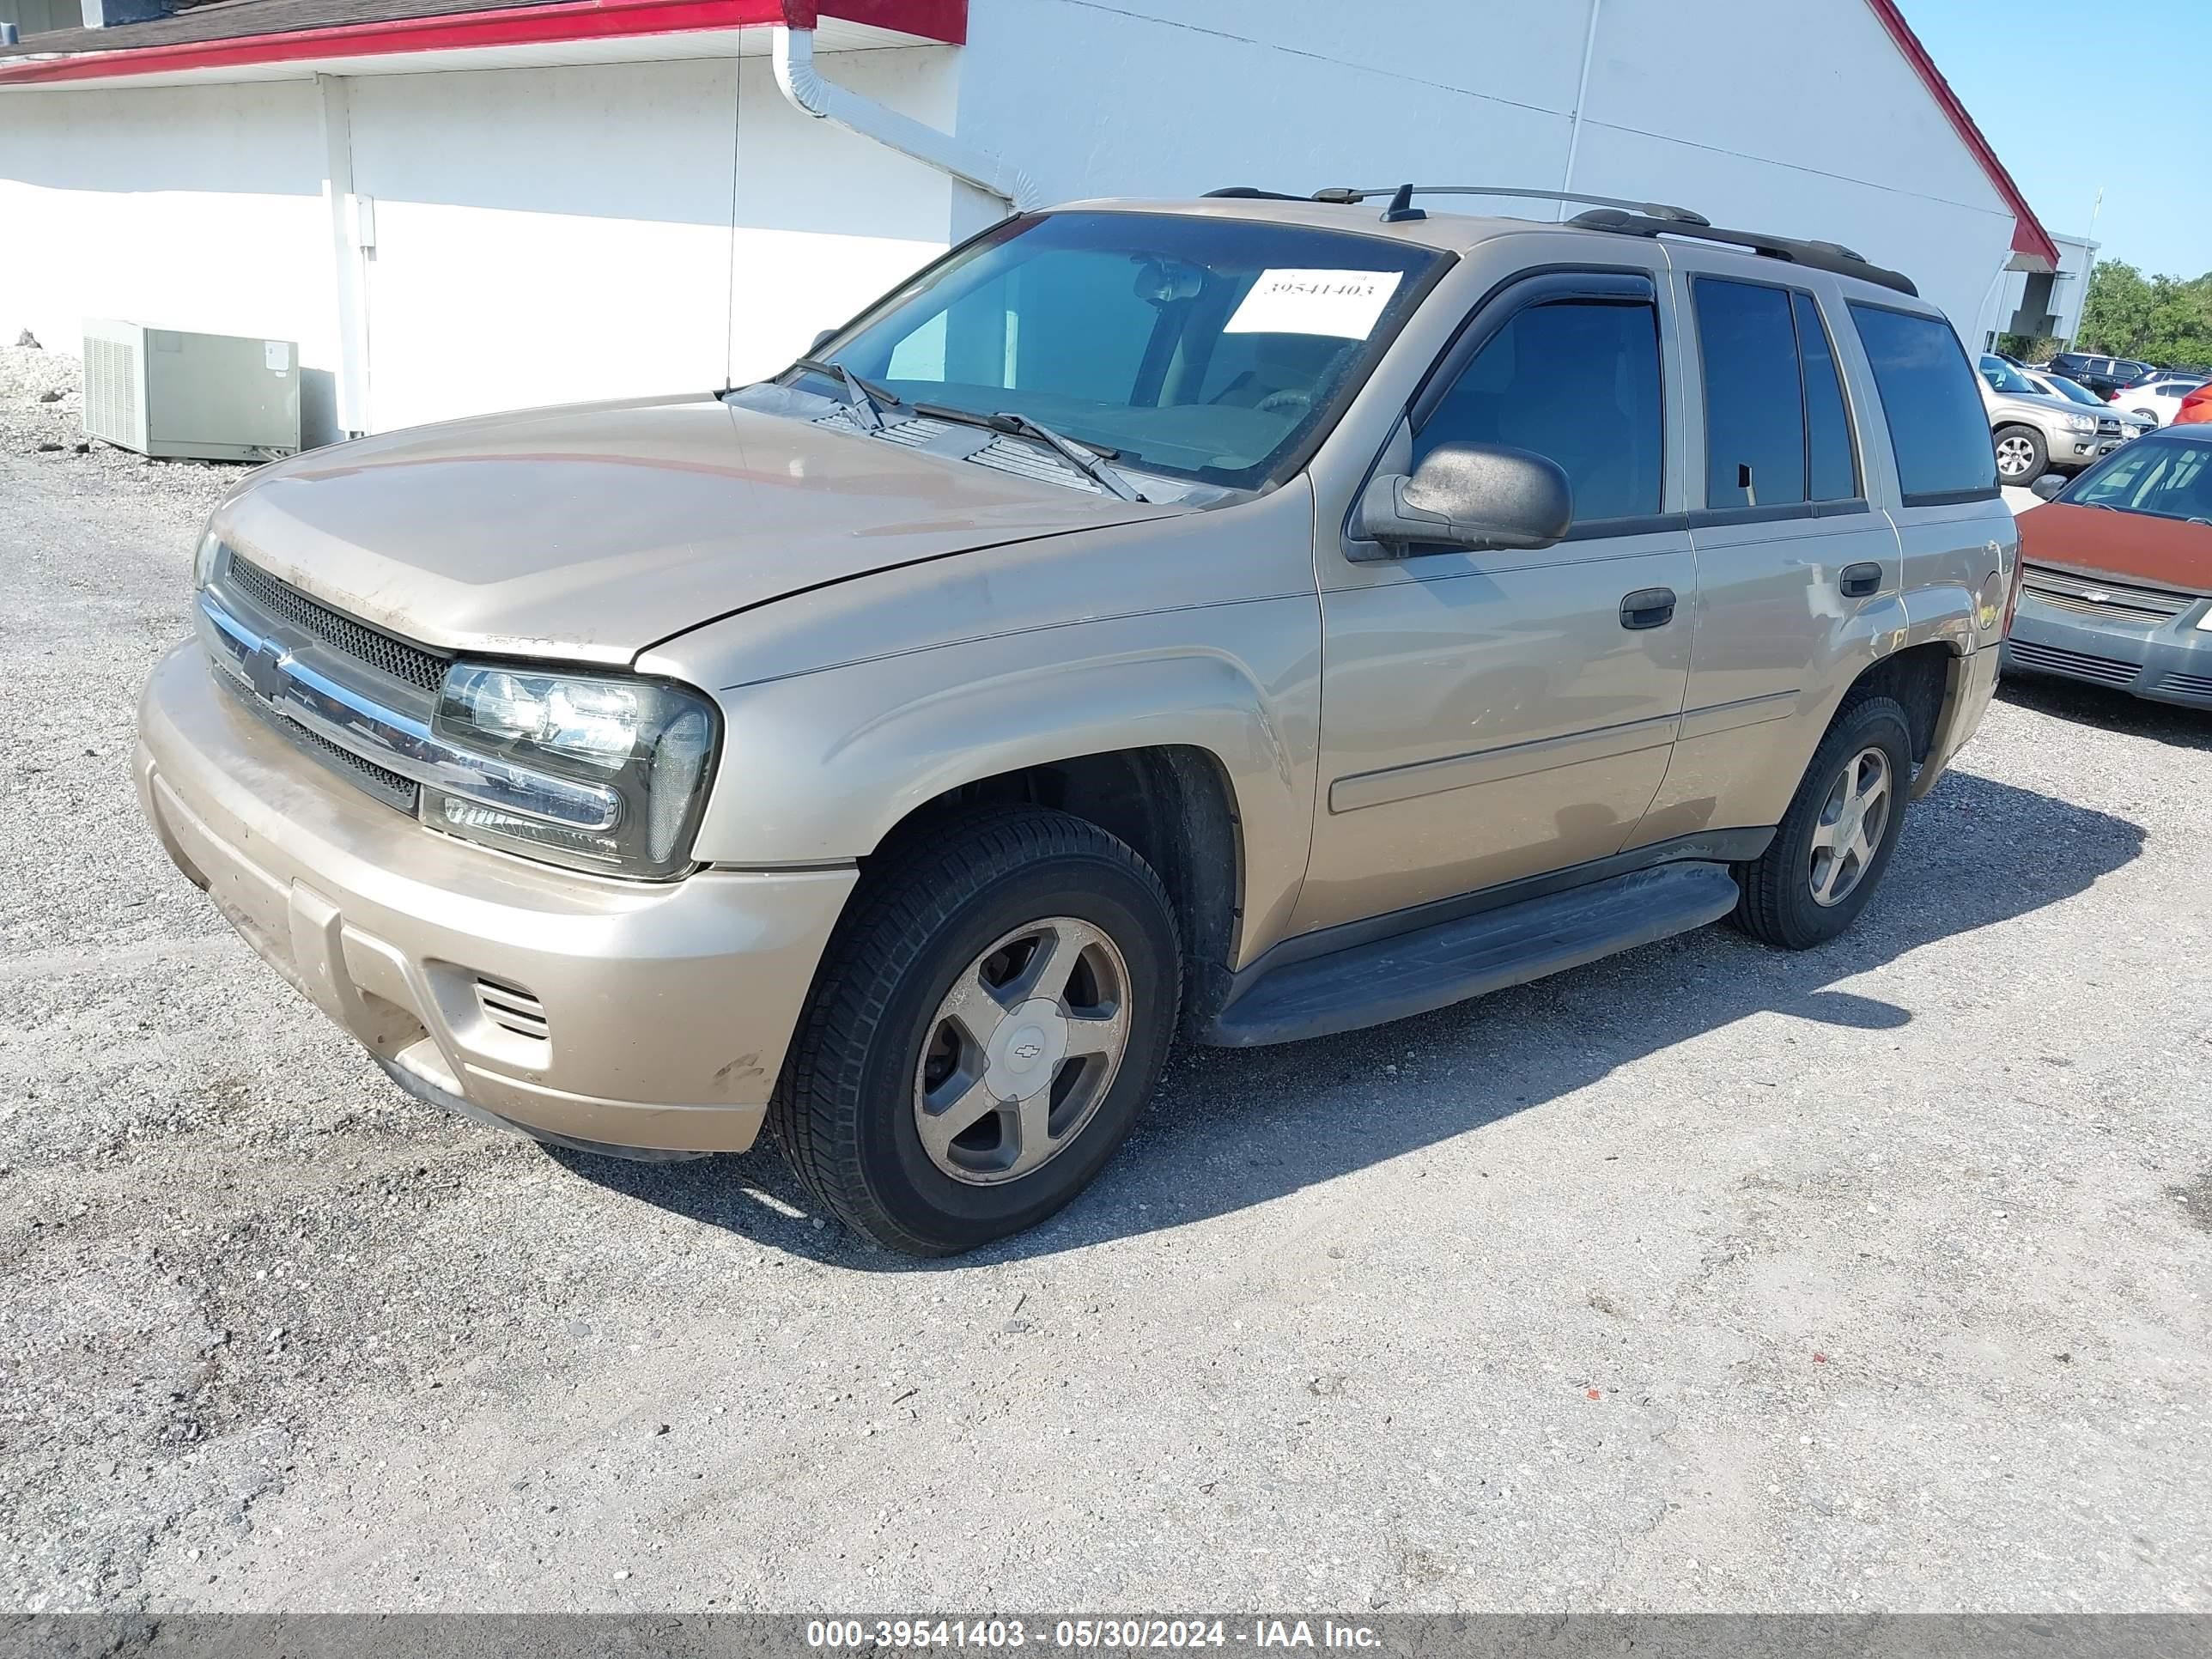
[
  {"x": 1859, "y": 582},
  {"x": 1648, "y": 607}
]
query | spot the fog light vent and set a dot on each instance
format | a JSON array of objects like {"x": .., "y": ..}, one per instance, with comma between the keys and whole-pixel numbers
[{"x": 511, "y": 1008}]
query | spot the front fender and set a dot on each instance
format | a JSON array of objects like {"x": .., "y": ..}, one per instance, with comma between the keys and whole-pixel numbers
[{"x": 819, "y": 768}]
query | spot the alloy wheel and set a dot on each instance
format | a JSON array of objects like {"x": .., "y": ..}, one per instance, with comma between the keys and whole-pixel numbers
[
  {"x": 2015, "y": 455},
  {"x": 1022, "y": 1051},
  {"x": 1853, "y": 820}
]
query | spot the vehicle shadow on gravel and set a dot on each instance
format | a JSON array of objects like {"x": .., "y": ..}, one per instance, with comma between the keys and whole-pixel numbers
[
  {"x": 1234, "y": 1128},
  {"x": 2108, "y": 710}
]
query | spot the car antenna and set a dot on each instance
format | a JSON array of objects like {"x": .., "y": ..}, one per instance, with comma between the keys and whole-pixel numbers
[{"x": 1401, "y": 207}]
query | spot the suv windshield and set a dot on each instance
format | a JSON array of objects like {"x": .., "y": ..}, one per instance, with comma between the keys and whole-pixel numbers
[
  {"x": 2003, "y": 377},
  {"x": 1202, "y": 348},
  {"x": 2167, "y": 475}
]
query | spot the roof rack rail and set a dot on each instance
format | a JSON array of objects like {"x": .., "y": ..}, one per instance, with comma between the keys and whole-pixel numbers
[
  {"x": 1649, "y": 209},
  {"x": 1832, "y": 256},
  {"x": 1252, "y": 193}
]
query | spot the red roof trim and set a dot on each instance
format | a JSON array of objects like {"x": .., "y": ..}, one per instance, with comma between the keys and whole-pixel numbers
[
  {"x": 2028, "y": 235},
  {"x": 556, "y": 20}
]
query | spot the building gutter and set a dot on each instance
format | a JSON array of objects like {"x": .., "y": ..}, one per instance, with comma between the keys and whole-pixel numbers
[
  {"x": 543, "y": 23},
  {"x": 806, "y": 89}
]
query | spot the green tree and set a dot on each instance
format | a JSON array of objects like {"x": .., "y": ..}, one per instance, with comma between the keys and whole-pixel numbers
[
  {"x": 2160, "y": 319},
  {"x": 2116, "y": 315}
]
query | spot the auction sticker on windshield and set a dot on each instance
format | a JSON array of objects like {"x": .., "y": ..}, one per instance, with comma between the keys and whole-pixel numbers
[{"x": 1344, "y": 302}]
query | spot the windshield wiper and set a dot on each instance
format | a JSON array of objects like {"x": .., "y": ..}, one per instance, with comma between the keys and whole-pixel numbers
[
  {"x": 866, "y": 398},
  {"x": 1089, "y": 460}
]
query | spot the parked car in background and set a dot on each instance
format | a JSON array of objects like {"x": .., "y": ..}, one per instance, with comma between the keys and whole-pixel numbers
[
  {"x": 2115, "y": 573},
  {"x": 1246, "y": 618},
  {"x": 2196, "y": 407},
  {"x": 2156, "y": 400},
  {"x": 2130, "y": 426},
  {"x": 2102, "y": 375},
  {"x": 2036, "y": 431}
]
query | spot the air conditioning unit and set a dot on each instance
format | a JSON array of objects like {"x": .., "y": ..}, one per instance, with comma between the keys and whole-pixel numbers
[{"x": 207, "y": 397}]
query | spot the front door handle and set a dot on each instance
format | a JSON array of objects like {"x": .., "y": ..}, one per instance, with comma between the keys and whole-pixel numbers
[
  {"x": 1859, "y": 582},
  {"x": 1648, "y": 607}
]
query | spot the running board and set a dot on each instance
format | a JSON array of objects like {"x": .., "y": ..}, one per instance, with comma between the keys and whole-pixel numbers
[{"x": 1435, "y": 967}]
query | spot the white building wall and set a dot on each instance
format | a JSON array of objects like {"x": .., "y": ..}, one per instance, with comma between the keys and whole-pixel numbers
[
  {"x": 827, "y": 221},
  {"x": 628, "y": 228},
  {"x": 1798, "y": 117},
  {"x": 1285, "y": 94},
  {"x": 195, "y": 208},
  {"x": 544, "y": 235}
]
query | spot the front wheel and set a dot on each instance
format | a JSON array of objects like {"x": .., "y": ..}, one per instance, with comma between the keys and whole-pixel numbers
[
  {"x": 984, "y": 1029},
  {"x": 1835, "y": 841},
  {"x": 2021, "y": 455}
]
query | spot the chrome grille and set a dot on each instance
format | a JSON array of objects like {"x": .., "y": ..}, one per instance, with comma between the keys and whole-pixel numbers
[
  {"x": 340, "y": 632},
  {"x": 382, "y": 782},
  {"x": 379, "y": 780},
  {"x": 2074, "y": 665},
  {"x": 2113, "y": 601}
]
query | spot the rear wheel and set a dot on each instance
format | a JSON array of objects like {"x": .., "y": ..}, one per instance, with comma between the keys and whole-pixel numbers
[
  {"x": 2021, "y": 454},
  {"x": 1836, "y": 840},
  {"x": 984, "y": 1029}
]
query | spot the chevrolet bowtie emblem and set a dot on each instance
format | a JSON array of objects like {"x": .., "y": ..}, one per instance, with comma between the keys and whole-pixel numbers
[{"x": 265, "y": 671}]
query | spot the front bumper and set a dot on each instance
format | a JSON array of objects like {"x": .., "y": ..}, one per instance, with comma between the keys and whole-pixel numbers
[
  {"x": 666, "y": 1007},
  {"x": 2170, "y": 663}
]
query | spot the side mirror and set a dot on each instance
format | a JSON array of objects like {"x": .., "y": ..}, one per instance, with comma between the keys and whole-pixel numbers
[
  {"x": 2047, "y": 487},
  {"x": 1470, "y": 495}
]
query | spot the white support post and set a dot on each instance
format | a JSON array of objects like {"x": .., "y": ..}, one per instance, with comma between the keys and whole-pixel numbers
[{"x": 352, "y": 236}]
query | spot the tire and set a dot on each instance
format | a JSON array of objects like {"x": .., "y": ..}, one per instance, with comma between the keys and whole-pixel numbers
[
  {"x": 909, "y": 1012},
  {"x": 2021, "y": 455},
  {"x": 1782, "y": 903}
]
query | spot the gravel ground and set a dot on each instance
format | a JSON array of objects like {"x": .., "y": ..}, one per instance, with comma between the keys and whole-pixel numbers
[{"x": 1707, "y": 1277}]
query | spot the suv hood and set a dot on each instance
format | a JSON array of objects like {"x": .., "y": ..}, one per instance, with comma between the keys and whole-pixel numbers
[
  {"x": 591, "y": 532},
  {"x": 2018, "y": 401}
]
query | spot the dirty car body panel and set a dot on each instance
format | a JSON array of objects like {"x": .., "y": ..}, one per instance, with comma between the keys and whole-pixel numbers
[{"x": 871, "y": 612}]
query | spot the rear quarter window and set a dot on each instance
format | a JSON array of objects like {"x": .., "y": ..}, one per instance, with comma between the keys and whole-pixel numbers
[{"x": 1938, "y": 429}]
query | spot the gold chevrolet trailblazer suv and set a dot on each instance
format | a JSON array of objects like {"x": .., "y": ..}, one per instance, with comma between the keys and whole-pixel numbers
[{"x": 1249, "y": 618}]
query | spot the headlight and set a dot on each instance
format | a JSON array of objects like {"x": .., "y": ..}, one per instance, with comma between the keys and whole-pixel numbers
[
  {"x": 2082, "y": 423},
  {"x": 204, "y": 559},
  {"x": 648, "y": 743}
]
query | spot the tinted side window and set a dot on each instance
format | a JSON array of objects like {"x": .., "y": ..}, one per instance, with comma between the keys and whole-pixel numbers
[
  {"x": 1755, "y": 405},
  {"x": 1827, "y": 424},
  {"x": 1577, "y": 381},
  {"x": 1937, "y": 427}
]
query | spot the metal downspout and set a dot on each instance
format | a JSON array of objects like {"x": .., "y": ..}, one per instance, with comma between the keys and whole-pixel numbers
[{"x": 802, "y": 85}]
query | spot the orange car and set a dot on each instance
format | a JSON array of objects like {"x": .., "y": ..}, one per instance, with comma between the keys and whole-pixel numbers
[
  {"x": 2197, "y": 406},
  {"x": 2116, "y": 585}
]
